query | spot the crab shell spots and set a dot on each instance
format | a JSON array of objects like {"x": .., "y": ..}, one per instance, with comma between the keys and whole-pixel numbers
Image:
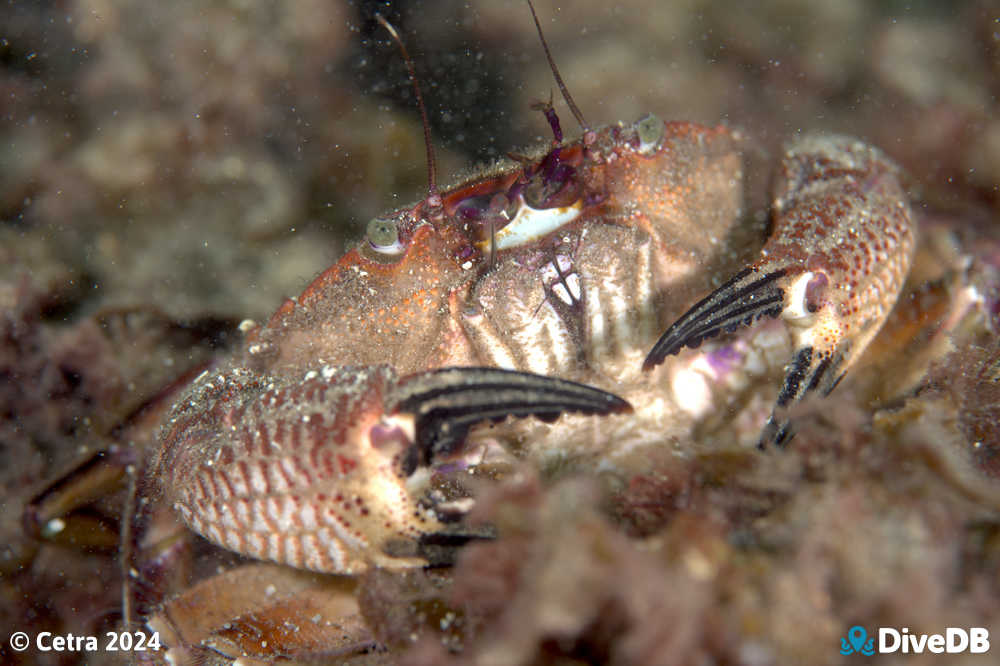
[
  {"x": 363, "y": 312},
  {"x": 300, "y": 482},
  {"x": 840, "y": 212},
  {"x": 691, "y": 207}
]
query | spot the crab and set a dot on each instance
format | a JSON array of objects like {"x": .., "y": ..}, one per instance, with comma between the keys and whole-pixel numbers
[
  {"x": 538, "y": 312},
  {"x": 583, "y": 308}
]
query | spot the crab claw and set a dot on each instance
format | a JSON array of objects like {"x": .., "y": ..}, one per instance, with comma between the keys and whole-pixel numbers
[
  {"x": 318, "y": 472},
  {"x": 745, "y": 298},
  {"x": 841, "y": 245},
  {"x": 808, "y": 372},
  {"x": 449, "y": 401}
]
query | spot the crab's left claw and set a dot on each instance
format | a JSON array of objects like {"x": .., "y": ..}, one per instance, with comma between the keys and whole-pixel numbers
[
  {"x": 834, "y": 265},
  {"x": 449, "y": 401},
  {"x": 745, "y": 298},
  {"x": 749, "y": 296}
]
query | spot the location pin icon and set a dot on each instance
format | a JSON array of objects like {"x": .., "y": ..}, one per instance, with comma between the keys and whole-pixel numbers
[{"x": 857, "y": 635}]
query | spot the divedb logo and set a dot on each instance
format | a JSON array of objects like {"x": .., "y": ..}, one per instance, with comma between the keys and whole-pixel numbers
[
  {"x": 954, "y": 639},
  {"x": 975, "y": 640}
]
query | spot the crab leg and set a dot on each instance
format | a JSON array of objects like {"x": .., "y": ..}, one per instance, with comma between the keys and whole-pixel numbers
[
  {"x": 834, "y": 265},
  {"x": 316, "y": 472}
]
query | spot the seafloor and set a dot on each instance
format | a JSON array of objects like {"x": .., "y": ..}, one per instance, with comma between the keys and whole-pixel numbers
[{"x": 168, "y": 169}]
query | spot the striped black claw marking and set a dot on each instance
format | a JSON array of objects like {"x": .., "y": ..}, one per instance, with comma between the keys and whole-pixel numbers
[
  {"x": 793, "y": 380},
  {"x": 747, "y": 297},
  {"x": 777, "y": 432},
  {"x": 449, "y": 401},
  {"x": 441, "y": 549},
  {"x": 809, "y": 372}
]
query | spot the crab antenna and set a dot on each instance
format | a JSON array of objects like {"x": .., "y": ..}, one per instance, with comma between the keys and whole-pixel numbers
[
  {"x": 555, "y": 72},
  {"x": 431, "y": 175}
]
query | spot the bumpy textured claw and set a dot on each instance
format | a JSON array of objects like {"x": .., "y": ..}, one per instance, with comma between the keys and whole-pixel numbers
[
  {"x": 315, "y": 472},
  {"x": 449, "y": 401},
  {"x": 835, "y": 263}
]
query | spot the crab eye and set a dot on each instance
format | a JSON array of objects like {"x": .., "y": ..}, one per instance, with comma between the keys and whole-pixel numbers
[
  {"x": 383, "y": 236},
  {"x": 650, "y": 132}
]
